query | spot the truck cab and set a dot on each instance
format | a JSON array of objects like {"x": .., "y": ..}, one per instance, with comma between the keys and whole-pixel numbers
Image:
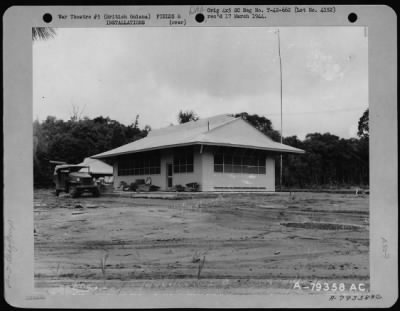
[{"x": 74, "y": 179}]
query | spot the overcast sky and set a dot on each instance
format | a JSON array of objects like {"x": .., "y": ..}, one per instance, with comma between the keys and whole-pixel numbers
[{"x": 155, "y": 72}]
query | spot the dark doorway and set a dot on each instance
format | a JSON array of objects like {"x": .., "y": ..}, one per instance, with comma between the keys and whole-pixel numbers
[{"x": 169, "y": 175}]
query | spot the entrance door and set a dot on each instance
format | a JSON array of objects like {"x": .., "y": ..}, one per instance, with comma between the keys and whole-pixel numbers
[{"x": 169, "y": 175}]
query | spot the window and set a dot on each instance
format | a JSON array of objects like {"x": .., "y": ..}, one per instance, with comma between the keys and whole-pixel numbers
[
  {"x": 239, "y": 161},
  {"x": 183, "y": 160},
  {"x": 145, "y": 163},
  {"x": 218, "y": 163}
]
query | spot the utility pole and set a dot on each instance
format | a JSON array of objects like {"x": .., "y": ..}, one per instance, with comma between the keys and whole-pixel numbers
[{"x": 280, "y": 71}]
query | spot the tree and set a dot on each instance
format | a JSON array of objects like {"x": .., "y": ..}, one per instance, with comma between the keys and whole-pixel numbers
[
  {"x": 187, "y": 116},
  {"x": 76, "y": 113},
  {"x": 261, "y": 123},
  {"x": 42, "y": 33},
  {"x": 136, "y": 123},
  {"x": 73, "y": 140},
  {"x": 363, "y": 125},
  {"x": 329, "y": 161}
]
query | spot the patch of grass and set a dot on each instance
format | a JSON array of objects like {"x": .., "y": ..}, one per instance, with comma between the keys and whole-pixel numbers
[
  {"x": 200, "y": 268},
  {"x": 103, "y": 266}
]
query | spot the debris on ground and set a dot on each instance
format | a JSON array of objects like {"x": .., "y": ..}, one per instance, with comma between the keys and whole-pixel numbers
[
  {"x": 79, "y": 213},
  {"x": 92, "y": 206}
]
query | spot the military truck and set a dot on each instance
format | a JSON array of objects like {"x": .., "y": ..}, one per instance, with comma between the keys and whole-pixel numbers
[{"x": 74, "y": 179}]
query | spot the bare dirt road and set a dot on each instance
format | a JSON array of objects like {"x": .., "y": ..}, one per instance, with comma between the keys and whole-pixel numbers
[{"x": 236, "y": 243}]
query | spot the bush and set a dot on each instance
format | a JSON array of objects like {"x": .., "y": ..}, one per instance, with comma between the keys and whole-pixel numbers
[
  {"x": 154, "y": 188},
  {"x": 179, "y": 188},
  {"x": 133, "y": 186},
  {"x": 122, "y": 184},
  {"x": 193, "y": 186}
]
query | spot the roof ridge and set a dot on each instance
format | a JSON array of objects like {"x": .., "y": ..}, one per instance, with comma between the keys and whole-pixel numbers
[
  {"x": 219, "y": 126},
  {"x": 189, "y": 125}
]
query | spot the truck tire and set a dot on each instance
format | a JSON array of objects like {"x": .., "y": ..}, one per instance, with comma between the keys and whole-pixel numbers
[
  {"x": 74, "y": 192},
  {"x": 58, "y": 192},
  {"x": 96, "y": 192}
]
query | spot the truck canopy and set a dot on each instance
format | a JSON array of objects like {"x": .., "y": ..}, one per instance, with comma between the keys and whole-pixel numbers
[{"x": 69, "y": 167}]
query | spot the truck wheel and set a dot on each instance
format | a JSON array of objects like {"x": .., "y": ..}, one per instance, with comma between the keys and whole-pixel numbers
[
  {"x": 96, "y": 192},
  {"x": 74, "y": 192},
  {"x": 57, "y": 193}
]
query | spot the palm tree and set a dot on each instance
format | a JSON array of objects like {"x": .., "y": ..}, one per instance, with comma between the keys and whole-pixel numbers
[{"x": 42, "y": 33}]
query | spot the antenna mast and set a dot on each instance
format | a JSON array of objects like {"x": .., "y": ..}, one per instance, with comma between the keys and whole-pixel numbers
[{"x": 280, "y": 71}]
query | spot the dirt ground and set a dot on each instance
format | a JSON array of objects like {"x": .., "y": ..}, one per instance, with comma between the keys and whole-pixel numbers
[{"x": 244, "y": 243}]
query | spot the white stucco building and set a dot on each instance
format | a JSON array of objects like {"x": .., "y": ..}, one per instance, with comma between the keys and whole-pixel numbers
[{"x": 221, "y": 153}]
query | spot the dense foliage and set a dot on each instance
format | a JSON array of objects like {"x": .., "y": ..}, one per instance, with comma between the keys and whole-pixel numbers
[
  {"x": 363, "y": 125},
  {"x": 71, "y": 141},
  {"x": 329, "y": 161}
]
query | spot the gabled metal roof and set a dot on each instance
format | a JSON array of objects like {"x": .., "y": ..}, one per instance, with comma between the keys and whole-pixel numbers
[
  {"x": 97, "y": 166},
  {"x": 222, "y": 130}
]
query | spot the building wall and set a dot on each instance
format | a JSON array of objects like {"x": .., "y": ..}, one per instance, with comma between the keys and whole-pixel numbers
[
  {"x": 156, "y": 179},
  {"x": 160, "y": 180},
  {"x": 180, "y": 178},
  {"x": 235, "y": 181},
  {"x": 203, "y": 173}
]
